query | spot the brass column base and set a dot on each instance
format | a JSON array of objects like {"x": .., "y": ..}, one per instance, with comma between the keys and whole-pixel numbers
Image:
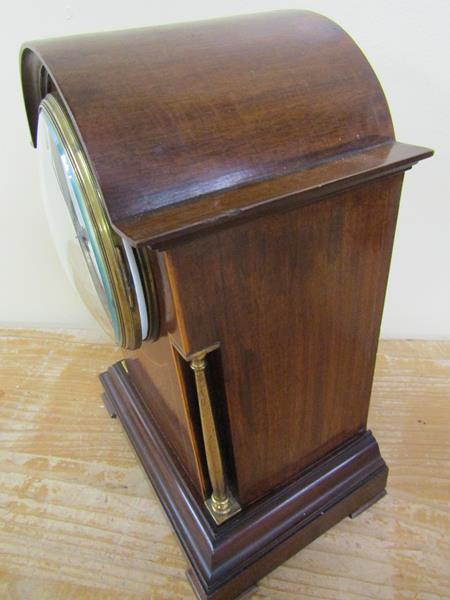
[{"x": 222, "y": 511}]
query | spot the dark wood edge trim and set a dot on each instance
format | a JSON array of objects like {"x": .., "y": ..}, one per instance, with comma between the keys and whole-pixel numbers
[
  {"x": 182, "y": 509},
  {"x": 365, "y": 494},
  {"x": 309, "y": 185},
  {"x": 219, "y": 555},
  {"x": 368, "y": 504}
]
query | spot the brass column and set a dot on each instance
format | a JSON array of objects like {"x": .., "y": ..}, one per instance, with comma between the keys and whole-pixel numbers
[{"x": 222, "y": 505}]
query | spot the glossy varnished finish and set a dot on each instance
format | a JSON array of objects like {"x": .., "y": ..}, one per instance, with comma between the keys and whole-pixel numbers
[
  {"x": 227, "y": 559},
  {"x": 156, "y": 379},
  {"x": 155, "y": 370},
  {"x": 302, "y": 187},
  {"x": 256, "y": 157},
  {"x": 295, "y": 301},
  {"x": 170, "y": 116}
]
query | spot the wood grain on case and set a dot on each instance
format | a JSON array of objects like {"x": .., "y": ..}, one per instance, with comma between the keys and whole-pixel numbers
[
  {"x": 256, "y": 157},
  {"x": 156, "y": 380},
  {"x": 295, "y": 301},
  {"x": 228, "y": 559},
  {"x": 170, "y": 116}
]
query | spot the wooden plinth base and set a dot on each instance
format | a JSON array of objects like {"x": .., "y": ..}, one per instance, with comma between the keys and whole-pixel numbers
[{"x": 226, "y": 560}]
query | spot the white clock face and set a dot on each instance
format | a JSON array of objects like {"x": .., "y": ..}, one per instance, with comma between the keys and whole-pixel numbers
[
  {"x": 78, "y": 237},
  {"x": 67, "y": 225}
]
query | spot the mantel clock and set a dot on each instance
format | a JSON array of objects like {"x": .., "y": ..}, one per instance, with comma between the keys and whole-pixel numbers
[{"x": 224, "y": 197}]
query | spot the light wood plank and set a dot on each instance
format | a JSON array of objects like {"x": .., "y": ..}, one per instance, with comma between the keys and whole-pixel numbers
[{"x": 78, "y": 519}]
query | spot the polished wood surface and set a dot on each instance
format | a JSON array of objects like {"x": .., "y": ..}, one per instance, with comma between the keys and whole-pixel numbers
[
  {"x": 256, "y": 157},
  {"x": 157, "y": 380},
  {"x": 158, "y": 377},
  {"x": 226, "y": 559},
  {"x": 80, "y": 521},
  {"x": 172, "y": 116},
  {"x": 249, "y": 201},
  {"x": 294, "y": 300}
]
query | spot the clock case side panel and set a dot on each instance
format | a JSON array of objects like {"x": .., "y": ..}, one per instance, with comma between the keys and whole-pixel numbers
[
  {"x": 293, "y": 301},
  {"x": 214, "y": 281},
  {"x": 164, "y": 390}
]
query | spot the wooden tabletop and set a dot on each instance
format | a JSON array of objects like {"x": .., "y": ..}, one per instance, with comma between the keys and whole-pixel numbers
[{"x": 78, "y": 519}]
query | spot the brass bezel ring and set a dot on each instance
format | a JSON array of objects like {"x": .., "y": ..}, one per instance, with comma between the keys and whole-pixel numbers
[{"x": 109, "y": 242}]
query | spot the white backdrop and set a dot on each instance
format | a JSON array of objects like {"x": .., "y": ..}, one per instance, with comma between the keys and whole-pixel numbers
[{"x": 408, "y": 45}]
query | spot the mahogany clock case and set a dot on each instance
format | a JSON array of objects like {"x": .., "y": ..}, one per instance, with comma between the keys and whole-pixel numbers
[{"x": 252, "y": 161}]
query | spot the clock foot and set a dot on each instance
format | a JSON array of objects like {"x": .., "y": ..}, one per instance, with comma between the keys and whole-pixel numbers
[{"x": 367, "y": 505}]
